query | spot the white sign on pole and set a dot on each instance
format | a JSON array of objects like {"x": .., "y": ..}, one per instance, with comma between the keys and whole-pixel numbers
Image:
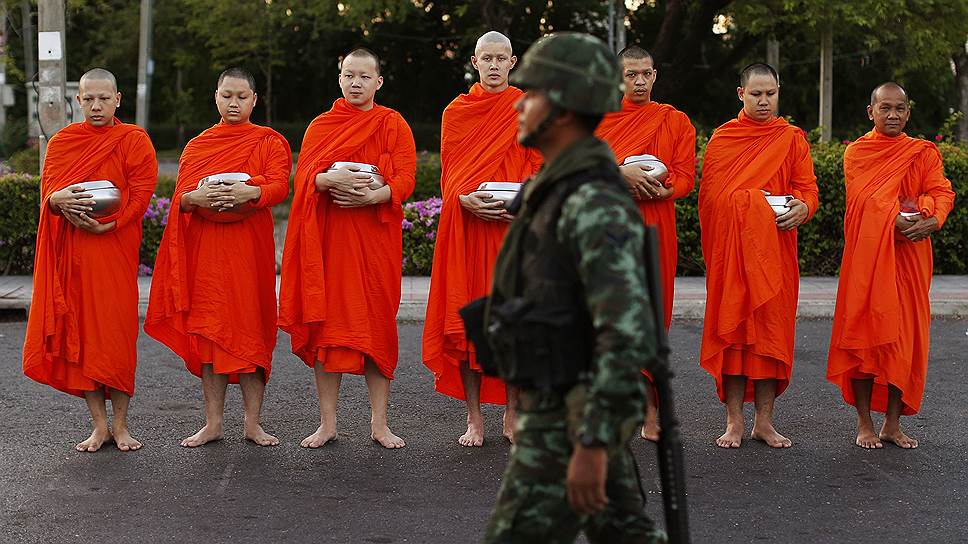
[{"x": 49, "y": 46}]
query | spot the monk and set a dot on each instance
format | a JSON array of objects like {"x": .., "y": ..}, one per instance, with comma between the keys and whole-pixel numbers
[
  {"x": 752, "y": 277},
  {"x": 213, "y": 294},
  {"x": 83, "y": 325},
  {"x": 342, "y": 262},
  {"x": 478, "y": 144},
  {"x": 644, "y": 127},
  {"x": 897, "y": 197}
]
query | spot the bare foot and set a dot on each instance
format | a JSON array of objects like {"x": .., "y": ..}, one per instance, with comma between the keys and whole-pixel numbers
[
  {"x": 319, "y": 438},
  {"x": 650, "y": 431},
  {"x": 204, "y": 435},
  {"x": 259, "y": 436},
  {"x": 124, "y": 441},
  {"x": 867, "y": 439},
  {"x": 767, "y": 434},
  {"x": 899, "y": 439},
  {"x": 387, "y": 439},
  {"x": 732, "y": 438},
  {"x": 474, "y": 437},
  {"x": 509, "y": 420},
  {"x": 95, "y": 441}
]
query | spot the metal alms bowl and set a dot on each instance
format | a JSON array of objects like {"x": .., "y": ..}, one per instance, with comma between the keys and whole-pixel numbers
[
  {"x": 779, "y": 203},
  {"x": 659, "y": 170},
  {"x": 373, "y": 170},
  {"x": 226, "y": 178},
  {"x": 503, "y": 191},
  {"x": 106, "y": 197}
]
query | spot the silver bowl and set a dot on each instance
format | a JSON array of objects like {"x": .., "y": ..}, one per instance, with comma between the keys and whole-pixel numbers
[
  {"x": 374, "y": 171},
  {"x": 659, "y": 170},
  {"x": 501, "y": 191},
  {"x": 227, "y": 178},
  {"x": 779, "y": 203},
  {"x": 105, "y": 195},
  {"x": 910, "y": 214}
]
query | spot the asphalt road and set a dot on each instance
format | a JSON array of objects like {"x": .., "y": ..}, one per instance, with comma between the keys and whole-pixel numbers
[{"x": 823, "y": 489}]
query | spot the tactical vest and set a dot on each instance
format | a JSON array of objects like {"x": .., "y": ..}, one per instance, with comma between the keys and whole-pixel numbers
[{"x": 542, "y": 337}]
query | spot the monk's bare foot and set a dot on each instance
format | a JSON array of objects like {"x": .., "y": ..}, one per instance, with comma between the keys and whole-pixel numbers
[
  {"x": 204, "y": 435},
  {"x": 95, "y": 441},
  {"x": 509, "y": 421},
  {"x": 474, "y": 437},
  {"x": 899, "y": 439},
  {"x": 650, "y": 431},
  {"x": 867, "y": 438},
  {"x": 318, "y": 439},
  {"x": 732, "y": 438},
  {"x": 767, "y": 434},
  {"x": 124, "y": 441},
  {"x": 387, "y": 439},
  {"x": 259, "y": 436}
]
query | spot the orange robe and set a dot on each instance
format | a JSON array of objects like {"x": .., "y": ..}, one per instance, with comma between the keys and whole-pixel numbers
[
  {"x": 664, "y": 132},
  {"x": 478, "y": 143},
  {"x": 341, "y": 268},
  {"x": 752, "y": 276},
  {"x": 213, "y": 294},
  {"x": 82, "y": 330},
  {"x": 883, "y": 312}
]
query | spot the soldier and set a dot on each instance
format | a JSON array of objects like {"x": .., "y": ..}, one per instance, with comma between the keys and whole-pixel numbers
[{"x": 569, "y": 319}]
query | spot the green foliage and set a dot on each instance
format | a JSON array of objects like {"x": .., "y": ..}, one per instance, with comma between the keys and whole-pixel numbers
[
  {"x": 19, "y": 198},
  {"x": 419, "y": 235},
  {"x": 165, "y": 186},
  {"x": 951, "y": 242},
  {"x": 152, "y": 228},
  {"x": 428, "y": 176},
  {"x": 26, "y": 161}
]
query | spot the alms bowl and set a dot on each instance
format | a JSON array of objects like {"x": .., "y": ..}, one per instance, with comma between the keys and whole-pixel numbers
[
  {"x": 659, "y": 170},
  {"x": 779, "y": 203},
  {"x": 373, "y": 170},
  {"x": 503, "y": 191},
  {"x": 106, "y": 197}
]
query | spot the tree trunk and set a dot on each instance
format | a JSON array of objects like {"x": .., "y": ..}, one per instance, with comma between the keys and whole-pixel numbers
[
  {"x": 30, "y": 58},
  {"x": 179, "y": 117},
  {"x": 961, "y": 90},
  {"x": 268, "y": 100}
]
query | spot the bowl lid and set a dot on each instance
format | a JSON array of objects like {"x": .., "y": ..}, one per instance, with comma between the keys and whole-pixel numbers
[
  {"x": 97, "y": 184},
  {"x": 230, "y": 176},
  {"x": 361, "y": 166},
  {"x": 500, "y": 186},
  {"x": 641, "y": 158},
  {"x": 778, "y": 200}
]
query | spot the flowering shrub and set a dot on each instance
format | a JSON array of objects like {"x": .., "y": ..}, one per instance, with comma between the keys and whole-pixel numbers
[
  {"x": 419, "y": 233},
  {"x": 152, "y": 227}
]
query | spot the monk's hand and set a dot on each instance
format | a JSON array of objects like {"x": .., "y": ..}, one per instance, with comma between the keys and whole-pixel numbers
[
  {"x": 71, "y": 199},
  {"x": 480, "y": 204},
  {"x": 585, "y": 481},
  {"x": 920, "y": 228},
  {"x": 244, "y": 193},
  {"x": 795, "y": 215},
  {"x": 642, "y": 184},
  {"x": 364, "y": 196},
  {"x": 345, "y": 180},
  {"x": 87, "y": 223}
]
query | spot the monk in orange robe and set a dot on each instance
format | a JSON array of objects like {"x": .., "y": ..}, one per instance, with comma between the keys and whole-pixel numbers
[
  {"x": 213, "y": 294},
  {"x": 82, "y": 330},
  {"x": 750, "y": 249},
  {"x": 897, "y": 196},
  {"x": 644, "y": 127},
  {"x": 342, "y": 262},
  {"x": 478, "y": 143}
]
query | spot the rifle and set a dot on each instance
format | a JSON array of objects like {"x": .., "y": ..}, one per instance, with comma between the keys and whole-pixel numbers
[{"x": 671, "y": 467}]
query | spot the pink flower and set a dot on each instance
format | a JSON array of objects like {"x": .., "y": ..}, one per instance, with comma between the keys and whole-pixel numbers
[
  {"x": 845, "y": 142},
  {"x": 938, "y": 138}
]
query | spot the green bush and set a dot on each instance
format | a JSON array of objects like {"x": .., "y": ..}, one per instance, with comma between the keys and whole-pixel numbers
[
  {"x": 20, "y": 197},
  {"x": 419, "y": 235},
  {"x": 428, "y": 176},
  {"x": 26, "y": 161}
]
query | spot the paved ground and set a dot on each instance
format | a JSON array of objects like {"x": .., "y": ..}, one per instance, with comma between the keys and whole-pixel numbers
[{"x": 822, "y": 490}]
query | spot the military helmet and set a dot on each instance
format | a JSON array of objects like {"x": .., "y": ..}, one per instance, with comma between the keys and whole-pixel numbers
[{"x": 576, "y": 70}]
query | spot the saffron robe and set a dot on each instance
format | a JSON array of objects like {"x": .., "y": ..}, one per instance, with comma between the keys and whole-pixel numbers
[
  {"x": 82, "y": 330},
  {"x": 213, "y": 294},
  {"x": 341, "y": 267},
  {"x": 666, "y": 133},
  {"x": 478, "y": 143},
  {"x": 752, "y": 275},
  {"x": 883, "y": 314}
]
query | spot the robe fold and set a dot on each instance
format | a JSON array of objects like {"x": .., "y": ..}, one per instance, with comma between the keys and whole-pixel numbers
[
  {"x": 478, "y": 143},
  {"x": 883, "y": 313},
  {"x": 213, "y": 294},
  {"x": 82, "y": 329},
  {"x": 666, "y": 133},
  {"x": 341, "y": 268},
  {"x": 752, "y": 275}
]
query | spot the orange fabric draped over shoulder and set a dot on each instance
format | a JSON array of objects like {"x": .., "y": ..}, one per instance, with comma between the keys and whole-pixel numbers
[
  {"x": 478, "y": 143},
  {"x": 665, "y": 132},
  {"x": 883, "y": 314},
  {"x": 82, "y": 329},
  {"x": 752, "y": 275},
  {"x": 213, "y": 294},
  {"x": 341, "y": 268}
]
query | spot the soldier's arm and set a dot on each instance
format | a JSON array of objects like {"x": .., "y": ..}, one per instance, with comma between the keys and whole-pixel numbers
[{"x": 605, "y": 233}]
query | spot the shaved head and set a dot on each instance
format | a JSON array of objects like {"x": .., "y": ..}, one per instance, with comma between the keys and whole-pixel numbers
[
  {"x": 758, "y": 69},
  {"x": 888, "y": 86},
  {"x": 634, "y": 52},
  {"x": 98, "y": 74},
  {"x": 362, "y": 52},
  {"x": 494, "y": 37},
  {"x": 238, "y": 73}
]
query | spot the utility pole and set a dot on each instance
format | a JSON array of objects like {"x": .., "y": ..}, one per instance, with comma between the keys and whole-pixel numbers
[
  {"x": 145, "y": 67},
  {"x": 773, "y": 53},
  {"x": 826, "y": 81},
  {"x": 27, "y": 23},
  {"x": 3, "y": 67},
  {"x": 611, "y": 24},
  {"x": 52, "y": 63},
  {"x": 620, "y": 26}
]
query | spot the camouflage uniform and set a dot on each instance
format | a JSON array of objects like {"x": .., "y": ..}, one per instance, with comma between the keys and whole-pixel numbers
[{"x": 601, "y": 230}]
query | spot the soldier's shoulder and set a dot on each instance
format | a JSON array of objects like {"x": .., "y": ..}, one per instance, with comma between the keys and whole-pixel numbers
[{"x": 600, "y": 202}]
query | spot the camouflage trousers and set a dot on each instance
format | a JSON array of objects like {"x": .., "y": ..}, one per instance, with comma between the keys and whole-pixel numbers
[{"x": 532, "y": 506}]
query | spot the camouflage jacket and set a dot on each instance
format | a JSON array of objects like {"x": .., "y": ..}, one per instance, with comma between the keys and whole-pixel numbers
[{"x": 601, "y": 229}]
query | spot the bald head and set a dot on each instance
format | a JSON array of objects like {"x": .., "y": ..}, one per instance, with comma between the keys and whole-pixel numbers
[
  {"x": 98, "y": 74},
  {"x": 364, "y": 53},
  {"x": 493, "y": 38},
  {"x": 758, "y": 69},
  {"x": 888, "y": 88},
  {"x": 634, "y": 52}
]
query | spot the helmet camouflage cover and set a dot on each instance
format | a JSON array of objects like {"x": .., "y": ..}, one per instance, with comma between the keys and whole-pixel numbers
[{"x": 577, "y": 71}]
